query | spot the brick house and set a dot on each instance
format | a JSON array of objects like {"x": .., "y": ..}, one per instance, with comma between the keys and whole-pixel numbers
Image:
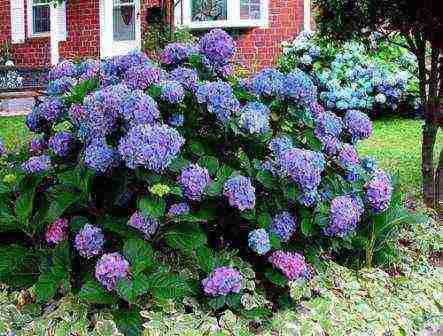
[{"x": 104, "y": 28}]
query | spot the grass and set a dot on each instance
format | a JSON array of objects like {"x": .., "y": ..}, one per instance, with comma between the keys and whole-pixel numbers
[{"x": 395, "y": 144}]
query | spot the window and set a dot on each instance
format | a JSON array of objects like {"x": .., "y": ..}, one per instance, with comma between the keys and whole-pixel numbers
[
  {"x": 123, "y": 16},
  {"x": 40, "y": 18},
  {"x": 222, "y": 13}
]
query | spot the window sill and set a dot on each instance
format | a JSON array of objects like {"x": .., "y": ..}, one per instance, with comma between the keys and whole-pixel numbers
[
  {"x": 39, "y": 35},
  {"x": 225, "y": 24}
]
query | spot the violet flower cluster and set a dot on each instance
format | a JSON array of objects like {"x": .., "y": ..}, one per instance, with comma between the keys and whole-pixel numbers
[
  {"x": 37, "y": 164},
  {"x": 187, "y": 77},
  {"x": 178, "y": 209},
  {"x": 99, "y": 156},
  {"x": 378, "y": 192},
  {"x": 89, "y": 241},
  {"x": 345, "y": 215},
  {"x": 291, "y": 264},
  {"x": 177, "y": 53},
  {"x": 57, "y": 231},
  {"x": 61, "y": 143},
  {"x": 172, "y": 92},
  {"x": 193, "y": 181},
  {"x": 240, "y": 192},
  {"x": 110, "y": 268},
  {"x": 254, "y": 118},
  {"x": 358, "y": 125},
  {"x": 222, "y": 281},
  {"x": 269, "y": 83},
  {"x": 284, "y": 226},
  {"x": 142, "y": 76},
  {"x": 259, "y": 241},
  {"x": 217, "y": 46},
  {"x": 146, "y": 225}
]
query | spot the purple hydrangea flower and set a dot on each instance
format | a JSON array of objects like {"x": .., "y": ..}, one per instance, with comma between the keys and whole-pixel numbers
[
  {"x": 220, "y": 99},
  {"x": 316, "y": 109},
  {"x": 61, "y": 143},
  {"x": 142, "y": 76},
  {"x": 217, "y": 46},
  {"x": 172, "y": 92},
  {"x": 99, "y": 156},
  {"x": 283, "y": 225},
  {"x": 327, "y": 123},
  {"x": 150, "y": 146},
  {"x": 63, "y": 69},
  {"x": 308, "y": 199},
  {"x": 299, "y": 87},
  {"x": 89, "y": 241},
  {"x": 303, "y": 166},
  {"x": 352, "y": 174},
  {"x": 50, "y": 109},
  {"x": 222, "y": 281},
  {"x": 37, "y": 164},
  {"x": 348, "y": 156},
  {"x": 37, "y": 146},
  {"x": 291, "y": 264},
  {"x": 57, "y": 231},
  {"x": 88, "y": 69},
  {"x": 224, "y": 71},
  {"x": 125, "y": 62},
  {"x": 2, "y": 148},
  {"x": 187, "y": 77},
  {"x": 345, "y": 214},
  {"x": 358, "y": 125},
  {"x": 177, "y": 53},
  {"x": 280, "y": 144},
  {"x": 110, "y": 268},
  {"x": 378, "y": 192},
  {"x": 108, "y": 72},
  {"x": 146, "y": 225},
  {"x": 193, "y": 180},
  {"x": 61, "y": 85},
  {"x": 269, "y": 83},
  {"x": 177, "y": 120},
  {"x": 254, "y": 118},
  {"x": 240, "y": 192},
  {"x": 331, "y": 145},
  {"x": 259, "y": 241},
  {"x": 77, "y": 114},
  {"x": 34, "y": 121},
  {"x": 178, "y": 209},
  {"x": 369, "y": 164},
  {"x": 139, "y": 108}
]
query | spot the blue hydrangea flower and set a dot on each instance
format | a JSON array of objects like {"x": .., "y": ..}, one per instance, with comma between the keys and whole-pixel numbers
[
  {"x": 378, "y": 192},
  {"x": 280, "y": 144},
  {"x": 259, "y": 241},
  {"x": 352, "y": 174},
  {"x": 345, "y": 214},
  {"x": 269, "y": 83},
  {"x": 2, "y": 148},
  {"x": 283, "y": 225},
  {"x": 308, "y": 199},
  {"x": 99, "y": 156},
  {"x": 177, "y": 53},
  {"x": 172, "y": 92},
  {"x": 142, "y": 76},
  {"x": 61, "y": 85},
  {"x": 178, "y": 209},
  {"x": 369, "y": 164},
  {"x": 127, "y": 61},
  {"x": 150, "y": 146},
  {"x": 50, "y": 109},
  {"x": 240, "y": 192},
  {"x": 300, "y": 87},
  {"x": 328, "y": 124},
  {"x": 146, "y": 225},
  {"x": 77, "y": 114},
  {"x": 37, "y": 164},
  {"x": 61, "y": 143},
  {"x": 187, "y": 77},
  {"x": 193, "y": 180},
  {"x": 217, "y": 46},
  {"x": 254, "y": 118},
  {"x": 110, "y": 268},
  {"x": 34, "y": 121},
  {"x": 358, "y": 125},
  {"x": 89, "y": 241},
  {"x": 219, "y": 98},
  {"x": 304, "y": 167},
  {"x": 348, "y": 156},
  {"x": 222, "y": 281},
  {"x": 88, "y": 69},
  {"x": 177, "y": 120},
  {"x": 316, "y": 109},
  {"x": 63, "y": 69},
  {"x": 139, "y": 108}
]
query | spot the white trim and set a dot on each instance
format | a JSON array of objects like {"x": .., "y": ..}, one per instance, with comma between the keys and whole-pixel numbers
[
  {"x": 29, "y": 7},
  {"x": 54, "y": 34},
  {"x": 183, "y": 17},
  {"x": 307, "y": 15},
  {"x": 18, "y": 21}
]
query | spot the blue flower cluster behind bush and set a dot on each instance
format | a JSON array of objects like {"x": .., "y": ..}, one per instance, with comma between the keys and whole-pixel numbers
[
  {"x": 174, "y": 158},
  {"x": 379, "y": 79}
]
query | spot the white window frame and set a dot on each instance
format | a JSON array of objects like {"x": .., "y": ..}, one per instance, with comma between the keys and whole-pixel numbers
[
  {"x": 31, "y": 33},
  {"x": 183, "y": 17}
]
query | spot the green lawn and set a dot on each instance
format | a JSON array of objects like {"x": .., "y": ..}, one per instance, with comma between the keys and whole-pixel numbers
[{"x": 395, "y": 144}]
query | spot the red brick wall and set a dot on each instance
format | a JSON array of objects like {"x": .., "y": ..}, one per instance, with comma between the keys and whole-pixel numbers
[{"x": 257, "y": 47}]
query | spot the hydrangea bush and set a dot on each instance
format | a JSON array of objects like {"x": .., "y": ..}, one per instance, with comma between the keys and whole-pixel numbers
[
  {"x": 140, "y": 162},
  {"x": 377, "y": 78}
]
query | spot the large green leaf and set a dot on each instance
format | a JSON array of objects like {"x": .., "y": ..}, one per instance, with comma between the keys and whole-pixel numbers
[
  {"x": 18, "y": 265},
  {"x": 93, "y": 292},
  {"x": 139, "y": 253},
  {"x": 205, "y": 258},
  {"x": 168, "y": 286},
  {"x": 130, "y": 289},
  {"x": 60, "y": 200},
  {"x": 186, "y": 238},
  {"x": 152, "y": 207}
]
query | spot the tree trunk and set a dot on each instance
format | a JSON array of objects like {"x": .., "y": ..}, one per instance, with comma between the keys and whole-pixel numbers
[
  {"x": 429, "y": 138},
  {"x": 439, "y": 184}
]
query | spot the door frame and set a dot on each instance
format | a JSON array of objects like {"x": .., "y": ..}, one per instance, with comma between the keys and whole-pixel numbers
[{"x": 106, "y": 29}]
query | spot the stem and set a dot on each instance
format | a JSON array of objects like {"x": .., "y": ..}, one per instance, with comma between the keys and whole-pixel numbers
[{"x": 428, "y": 144}]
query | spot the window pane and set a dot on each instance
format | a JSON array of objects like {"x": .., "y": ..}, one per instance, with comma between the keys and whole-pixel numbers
[
  {"x": 209, "y": 10},
  {"x": 250, "y": 9},
  {"x": 124, "y": 22},
  {"x": 41, "y": 19}
]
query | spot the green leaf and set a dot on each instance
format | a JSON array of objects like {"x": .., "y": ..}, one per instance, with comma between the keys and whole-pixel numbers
[
  {"x": 168, "y": 286},
  {"x": 185, "y": 238},
  {"x": 152, "y": 207},
  {"x": 197, "y": 148},
  {"x": 93, "y": 292},
  {"x": 77, "y": 223},
  {"x": 275, "y": 241},
  {"x": 210, "y": 163},
  {"x": 140, "y": 255},
  {"x": 129, "y": 322},
  {"x": 264, "y": 220},
  {"x": 60, "y": 200},
  {"x": 312, "y": 140},
  {"x": 233, "y": 300},
  {"x": 276, "y": 277},
  {"x": 306, "y": 226},
  {"x": 255, "y": 313},
  {"x": 24, "y": 206},
  {"x": 217, "y": 302},
  {"x": 214, "y": 188},
  {"x": 267, "y": 180},
  {"x": 46, "y": 287},
  {"x": 131, "y": 289},
  {"x": 16, "y": 259},
  {"x": 205, "y": 258},
  {"x": 177, "y": 164}
]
